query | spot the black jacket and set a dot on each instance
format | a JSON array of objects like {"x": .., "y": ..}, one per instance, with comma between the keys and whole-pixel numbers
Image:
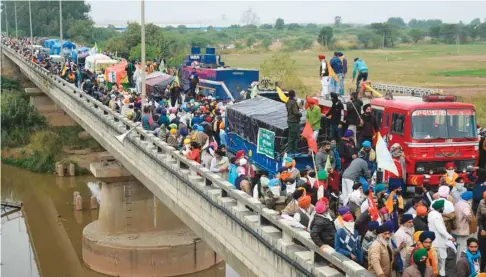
[
  {"x": 335, "y": 111},
  {"x": 352, "y": 118},
  {"x": 361, "y": 224},
  {"x": 293, "y": 113},
  {"x": 369, "y": 125},
  {"x": 420, "y": 223},
  {"x": 322, "y": 231}
]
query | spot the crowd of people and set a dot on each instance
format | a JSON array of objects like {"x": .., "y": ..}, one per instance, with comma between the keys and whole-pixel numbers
[{"x": 432, "y": 233}]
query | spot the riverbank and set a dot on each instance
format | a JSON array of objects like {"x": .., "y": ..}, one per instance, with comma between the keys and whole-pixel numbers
[{"x": 28, "y": 141}]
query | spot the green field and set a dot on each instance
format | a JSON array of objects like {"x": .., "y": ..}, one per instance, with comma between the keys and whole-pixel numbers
[
  {"x": 406, "y": 65},
  {"x": 468, "y": 73},
  {"x": 461, "y": 75}
]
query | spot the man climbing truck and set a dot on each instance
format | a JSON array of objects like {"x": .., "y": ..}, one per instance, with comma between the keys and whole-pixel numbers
[{"x": 432, "y": 129}]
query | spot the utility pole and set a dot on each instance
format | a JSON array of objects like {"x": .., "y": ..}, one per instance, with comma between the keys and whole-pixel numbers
[
  {"x": 60, "y": 22},
  {"x": 30, "y": 18},
  {"x": 457, "y": 44},
  {"x": 383, "y": 41},
  {"x": 6, "y": 18},
  {"x": 143, "y": 92},
  {"x": 15, "y": 13}
]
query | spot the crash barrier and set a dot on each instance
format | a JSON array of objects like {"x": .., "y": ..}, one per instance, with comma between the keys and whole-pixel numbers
[{"x": 285, "y": 246}]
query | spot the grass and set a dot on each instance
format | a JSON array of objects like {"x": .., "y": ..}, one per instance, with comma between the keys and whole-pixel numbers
[
  {"x": 479, "y": 102},
  {"x": 469, "y": 73},
  {"x": 405, "y": 65}
]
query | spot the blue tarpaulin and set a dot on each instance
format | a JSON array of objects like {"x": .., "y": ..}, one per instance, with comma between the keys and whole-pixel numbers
[
  {"x": 69, "y": 45},
  {"x": 50, "y": 42}
]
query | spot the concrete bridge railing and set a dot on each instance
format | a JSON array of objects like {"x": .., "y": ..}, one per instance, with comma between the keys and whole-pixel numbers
[{"x": 250, "y": 237}]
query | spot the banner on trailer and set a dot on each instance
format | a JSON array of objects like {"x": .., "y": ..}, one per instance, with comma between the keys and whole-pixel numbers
[{"x": 266, "y": 143}]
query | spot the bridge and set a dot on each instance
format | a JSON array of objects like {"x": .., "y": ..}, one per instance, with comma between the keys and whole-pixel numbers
[{"x": 251, "y": 238}]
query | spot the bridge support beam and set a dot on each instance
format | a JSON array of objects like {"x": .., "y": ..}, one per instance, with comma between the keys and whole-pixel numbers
[
  {"x": 54, "y": 114},
  {"x": 136, "y": 235}
]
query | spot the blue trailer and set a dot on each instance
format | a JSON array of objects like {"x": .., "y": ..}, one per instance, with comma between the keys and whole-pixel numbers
[
  {"x": 216, "y": 79},
  {"x": 259, "y": 127}
]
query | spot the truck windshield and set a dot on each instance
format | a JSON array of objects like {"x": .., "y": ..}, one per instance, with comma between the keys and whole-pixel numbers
[{"x": 444, "y": 124}]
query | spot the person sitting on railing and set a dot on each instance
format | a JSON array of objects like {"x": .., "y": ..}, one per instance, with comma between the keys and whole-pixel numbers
[
  {"x": 172, "y": 138},
  {"x": 195, "y": 152},
  {"x": 339, "y": 222},
  {"x": 347, "y": 241},
  {"x": 220, "y": 163},
  {"x": 322, "y": 229},
  {"x": 304, "y": 211},
  {"x": 292, "y": 206},
  {"x": 265, "y": 194}
]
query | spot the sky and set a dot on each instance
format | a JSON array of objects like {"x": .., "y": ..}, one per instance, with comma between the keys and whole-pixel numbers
[{"x": 321, "y": 12}]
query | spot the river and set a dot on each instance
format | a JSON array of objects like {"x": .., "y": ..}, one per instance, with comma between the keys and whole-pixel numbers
[{"x": 38, "y": 243}]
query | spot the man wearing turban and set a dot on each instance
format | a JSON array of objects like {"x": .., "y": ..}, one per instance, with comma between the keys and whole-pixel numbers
[
  {"x": 380, "y": 254},
  {"x": 437, "y": 225},
  {"x": 324, "y": 74},
  {"x": 420, "y": 267},
  {"x": 404, "y": 235}
]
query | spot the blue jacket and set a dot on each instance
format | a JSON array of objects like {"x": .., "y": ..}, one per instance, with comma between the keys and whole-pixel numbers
[
  {"x": 346, "y": 244},
  {"x": 337, "y": 159},
  {"x": 336, "y": 65},
  {"x": 232, "y": 174},
  {"x": 359, "y": 66}
]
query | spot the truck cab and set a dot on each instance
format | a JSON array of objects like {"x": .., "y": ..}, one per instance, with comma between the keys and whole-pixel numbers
[{"x": 432, "y": 130}]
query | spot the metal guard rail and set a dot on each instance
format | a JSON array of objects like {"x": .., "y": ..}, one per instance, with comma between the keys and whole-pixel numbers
[{"x": 268, "y": 216}]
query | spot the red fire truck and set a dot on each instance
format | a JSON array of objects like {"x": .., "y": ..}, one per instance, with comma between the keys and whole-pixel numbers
[{"x": 433, "y": 130}]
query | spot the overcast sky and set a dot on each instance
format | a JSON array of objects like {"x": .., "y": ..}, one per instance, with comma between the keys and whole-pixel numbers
[{"x": 229, "y": 12}]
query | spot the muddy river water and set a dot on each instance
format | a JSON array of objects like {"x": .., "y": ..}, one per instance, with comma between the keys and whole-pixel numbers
[{"x": 45, "y": 239}]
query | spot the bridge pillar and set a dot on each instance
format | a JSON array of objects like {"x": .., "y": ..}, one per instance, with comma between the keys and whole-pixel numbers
[
  {"x": 136, "y": 235},
  {"x": 55, "y": 115}
]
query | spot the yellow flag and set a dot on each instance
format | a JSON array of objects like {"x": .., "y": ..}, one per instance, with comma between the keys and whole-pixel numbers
[
  {"x": 282, "y": 96},
  {"x": 332, "y": 73},
  {"x": 63, "y": 71},
  {"x": 176, "y": 81}
]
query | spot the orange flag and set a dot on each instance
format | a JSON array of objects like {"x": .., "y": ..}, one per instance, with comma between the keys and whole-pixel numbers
[
  {"x": 372, "y": 209},
  {"x": 308, "y": 134}
]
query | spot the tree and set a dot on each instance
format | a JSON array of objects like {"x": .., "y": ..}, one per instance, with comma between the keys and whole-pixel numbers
[
  {"x": 249, "y": 17},
  {"x": 281, "y": 68},
  {"x": 311, "y": 26},
  {"x": 210, "y": 28},
  {"x": 266, "y": 43},
  {"x": 417, "y": 34},
  {"x": 482, "y": 30},
  {"x": 434, "y": 31},
  {"x": 250, "y": 41},
  {"x": 293, "y": 26},
  {"x": 181, "y": 28},
  {"x": 325, "y": 35},
  {"x": 266, "y": 26},
  {"x": 45, "y": 16},
  {"x": 449, "y": 33},
  {"x": 397, "y": 21},
  {"x": 151, "y": 52},
  {"x": 389, "y": 32},
  {"x": 82, "y": 30},
  {"x": 279, "y": 24},
  {"x": 337, "y": 20}
]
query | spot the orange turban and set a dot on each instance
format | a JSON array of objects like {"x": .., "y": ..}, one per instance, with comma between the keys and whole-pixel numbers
[
  {"x": 305, "y": 201},
  {"x": 221, "y": 125},
  {"x": 421, "y": 210}
]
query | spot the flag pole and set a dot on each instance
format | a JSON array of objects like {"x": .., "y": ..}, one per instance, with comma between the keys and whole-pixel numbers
[{"x": 314, "y": 161}]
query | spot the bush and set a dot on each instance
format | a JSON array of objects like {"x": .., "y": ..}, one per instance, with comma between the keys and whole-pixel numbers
[
  {"x": 9, "y": 84},
  {"x": 18, "y": 119}
]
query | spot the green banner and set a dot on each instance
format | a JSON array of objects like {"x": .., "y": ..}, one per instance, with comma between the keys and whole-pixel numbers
[{"x": 266, "y": 143}]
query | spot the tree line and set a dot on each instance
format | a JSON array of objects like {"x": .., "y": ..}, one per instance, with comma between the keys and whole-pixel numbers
[{"x": 173, "y": 42}]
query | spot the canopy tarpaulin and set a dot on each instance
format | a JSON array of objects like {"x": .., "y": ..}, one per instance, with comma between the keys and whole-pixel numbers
[
  {"x": 157, "y": 85},
  {"x": 117, "y": 74},
  {"x": 48, "y": 43},
  {"x": 69, "y": 45}
]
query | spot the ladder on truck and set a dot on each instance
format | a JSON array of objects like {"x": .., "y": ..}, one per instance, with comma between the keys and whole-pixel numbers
[
  {"x": 382, "y": 90},
  {"x": 403, "y": 90}
]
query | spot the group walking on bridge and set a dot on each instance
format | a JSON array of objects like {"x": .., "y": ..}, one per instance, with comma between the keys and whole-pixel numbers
[{"x": 344, "y": 201}]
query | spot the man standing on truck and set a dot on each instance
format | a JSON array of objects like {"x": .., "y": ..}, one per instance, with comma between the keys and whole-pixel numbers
[
  {"x": 293, "y": 122},
  {"x": 369, "y": 125},
  {"x": 362, "y": 69},
  {"x": 337, "y": 66},
  {"x": 353, "y": 118},
  {"x": 324, "y": 74},
  {"x": 334, "y": 116}
]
